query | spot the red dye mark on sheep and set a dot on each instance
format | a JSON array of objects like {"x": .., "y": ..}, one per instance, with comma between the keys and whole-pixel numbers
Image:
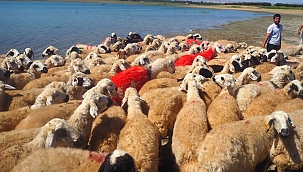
[
  {"x": 247, "y": 122},
  {"x": 99, "y": 158}
]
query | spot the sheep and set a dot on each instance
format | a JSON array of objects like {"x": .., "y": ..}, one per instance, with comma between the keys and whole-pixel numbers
[
  {"x": 241, "y": 145},
  {"x": 3, "y": 87},
  {"x": 165, "y": 49},
  {"x": 50, "y": 50},
  {"x": 17, "y": 137},
  {"x": 78, "y": 65},
  {"x": 266, "y": 103},
  {"x": 12, "y": 53},
  {"x": 290, "y": 105},
  {"x": 21, "y": 98},
  {"x": 233, "y": 65},
  {"x": 4, "y": 73},
  {"x": 293, "y": 50},
  {"x": 61, "y": 159},
  {"x": 119, "y": 160},
  {"x": 25, "y": 61},
  {"x": 224, "y": 107},
  {"x": 52, "y": 93},
  {"x": 245, "y": 94},
  {"x": 33, "y": 119},
  {"x": 12, "y": 64},
  {"x": 190, "y": 126},
  {"x": 72, "y": 56},
  {"x": 83, "y": 116},
  {"x": 54, "y": 61},
  {"x": 208, "y": 54},
  {"x": 230, "y": 48},
  {"x": 249, "y": 74},
  {"x": 93, "y": 59},
  {"x": 56, "y": 132},
  {"x": 286, "y": 153},
  {"x": 138, "y": 137},
  {"x": 10, "y": 119},
  {"x": 137, "y": 76},
  {"x": 29, "y": 53},
  {"x": 158, "y": 83},
  {"x": 77, "y": 84},
  {"x": 36, "y": 69},
  {"x": 141, "y": 60},
  {"x": 104, "y": 86},
  {"x": 106, "y": 128},
  {"x": 117, "y": 46}
]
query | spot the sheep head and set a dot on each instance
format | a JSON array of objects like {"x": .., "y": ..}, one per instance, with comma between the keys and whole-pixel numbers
[
  {"x": 280, "y": 120},
  {"x": 60, "y": 133},
  {"x": 97, "y": 103}
]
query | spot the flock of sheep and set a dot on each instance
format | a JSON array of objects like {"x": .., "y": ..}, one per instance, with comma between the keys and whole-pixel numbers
[{"x": 152, "y": 104}]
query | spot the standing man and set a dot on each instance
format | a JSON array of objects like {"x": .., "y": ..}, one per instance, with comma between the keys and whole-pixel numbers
[
  {"x": 274, "y": 34},
  {"x": 301, "y": 33}
]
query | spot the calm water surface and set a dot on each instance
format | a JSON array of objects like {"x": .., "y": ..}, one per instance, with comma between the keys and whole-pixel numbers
[{"x": 62, "y": 24}]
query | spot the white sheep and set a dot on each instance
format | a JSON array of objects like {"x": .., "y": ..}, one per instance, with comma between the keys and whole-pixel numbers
[
  {"x": 12, "y": 53},
  {"x": 52, "y": 93},
  {"x": 24, "y": 60},
  {"x": 138, "y": 137},
  {"x": 141, "y": 60},
  {"x": 12, "y": 64},
  {"x": 83, "y": 116},
  {"x": 224, "y": 107},
  {"x": 50, "y": 50},
  {"x": 56, "y": 132},
  {"x": 137, "y": 76},
  {"x": 29, "y": 53},
  {"x": 93, "y": 59},
  {"x": 233, "y": 65},
  {"x": 3, "y": 87},
  {"x": 190, "y": 126},
  {"x": 245, "y": 94},
  {"x": 36, "y": 69},
  {"x": 104, "y": 86},
  {"x": 286, "y": 153},
  {"x": 77, "y": 84},
  {"x": 266, "y": 103},
  {"x": 106, "y": 128},
  {"x": 54, "y": 61},
  {"x": 241, "y": 145},
  {"x": 4, "y": 73},
  {"x": 78, "y": 65},
  {"x": 61, "y": 159}
]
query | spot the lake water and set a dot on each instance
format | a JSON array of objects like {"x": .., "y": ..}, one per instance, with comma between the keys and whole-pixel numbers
[{"x": 40, "y": 24}]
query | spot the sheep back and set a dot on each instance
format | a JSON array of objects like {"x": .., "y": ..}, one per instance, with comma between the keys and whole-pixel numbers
[{"x": 106, "y": 128}]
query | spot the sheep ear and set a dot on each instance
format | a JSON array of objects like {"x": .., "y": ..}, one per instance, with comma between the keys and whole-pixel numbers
[
  {"x": 226, "y": 83},
  {"x": 292, "y": 87},
  {"x": 9, "y": 87},
  {"x": 50, "y": 140},
  {"x": 231, "y": 68},
  {"x": 291, "y": 123},
  {"x": 270, "y": 124},
  {"x": 253, "y": 77},
  {"x": 93, "y": 110},
  {"x": 122, "y": 67},
  {"x": 49, "y": 101}
]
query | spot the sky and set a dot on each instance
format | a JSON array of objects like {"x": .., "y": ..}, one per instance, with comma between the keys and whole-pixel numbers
[{"x": 271, "y": 1}]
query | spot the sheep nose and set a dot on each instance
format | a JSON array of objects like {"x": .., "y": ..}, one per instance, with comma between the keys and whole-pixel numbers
[
  {"x": 29, "y": 64},
  {"x": 284, "y": 132},
  {"x": 301, "y": 94},
  {"x": 79, "y": 142},
  {"x": 87, "y": 72},
  {"x": 110, "y": 102},
  {"x": 66, "y": 98},
  {"x": 7, "y": 74},
  {"x": 21, "y": 68},
  {"x": 44, "y": 70}
]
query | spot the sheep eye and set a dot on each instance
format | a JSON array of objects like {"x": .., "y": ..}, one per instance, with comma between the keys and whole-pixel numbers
[{"x": 222, "y": 78}]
